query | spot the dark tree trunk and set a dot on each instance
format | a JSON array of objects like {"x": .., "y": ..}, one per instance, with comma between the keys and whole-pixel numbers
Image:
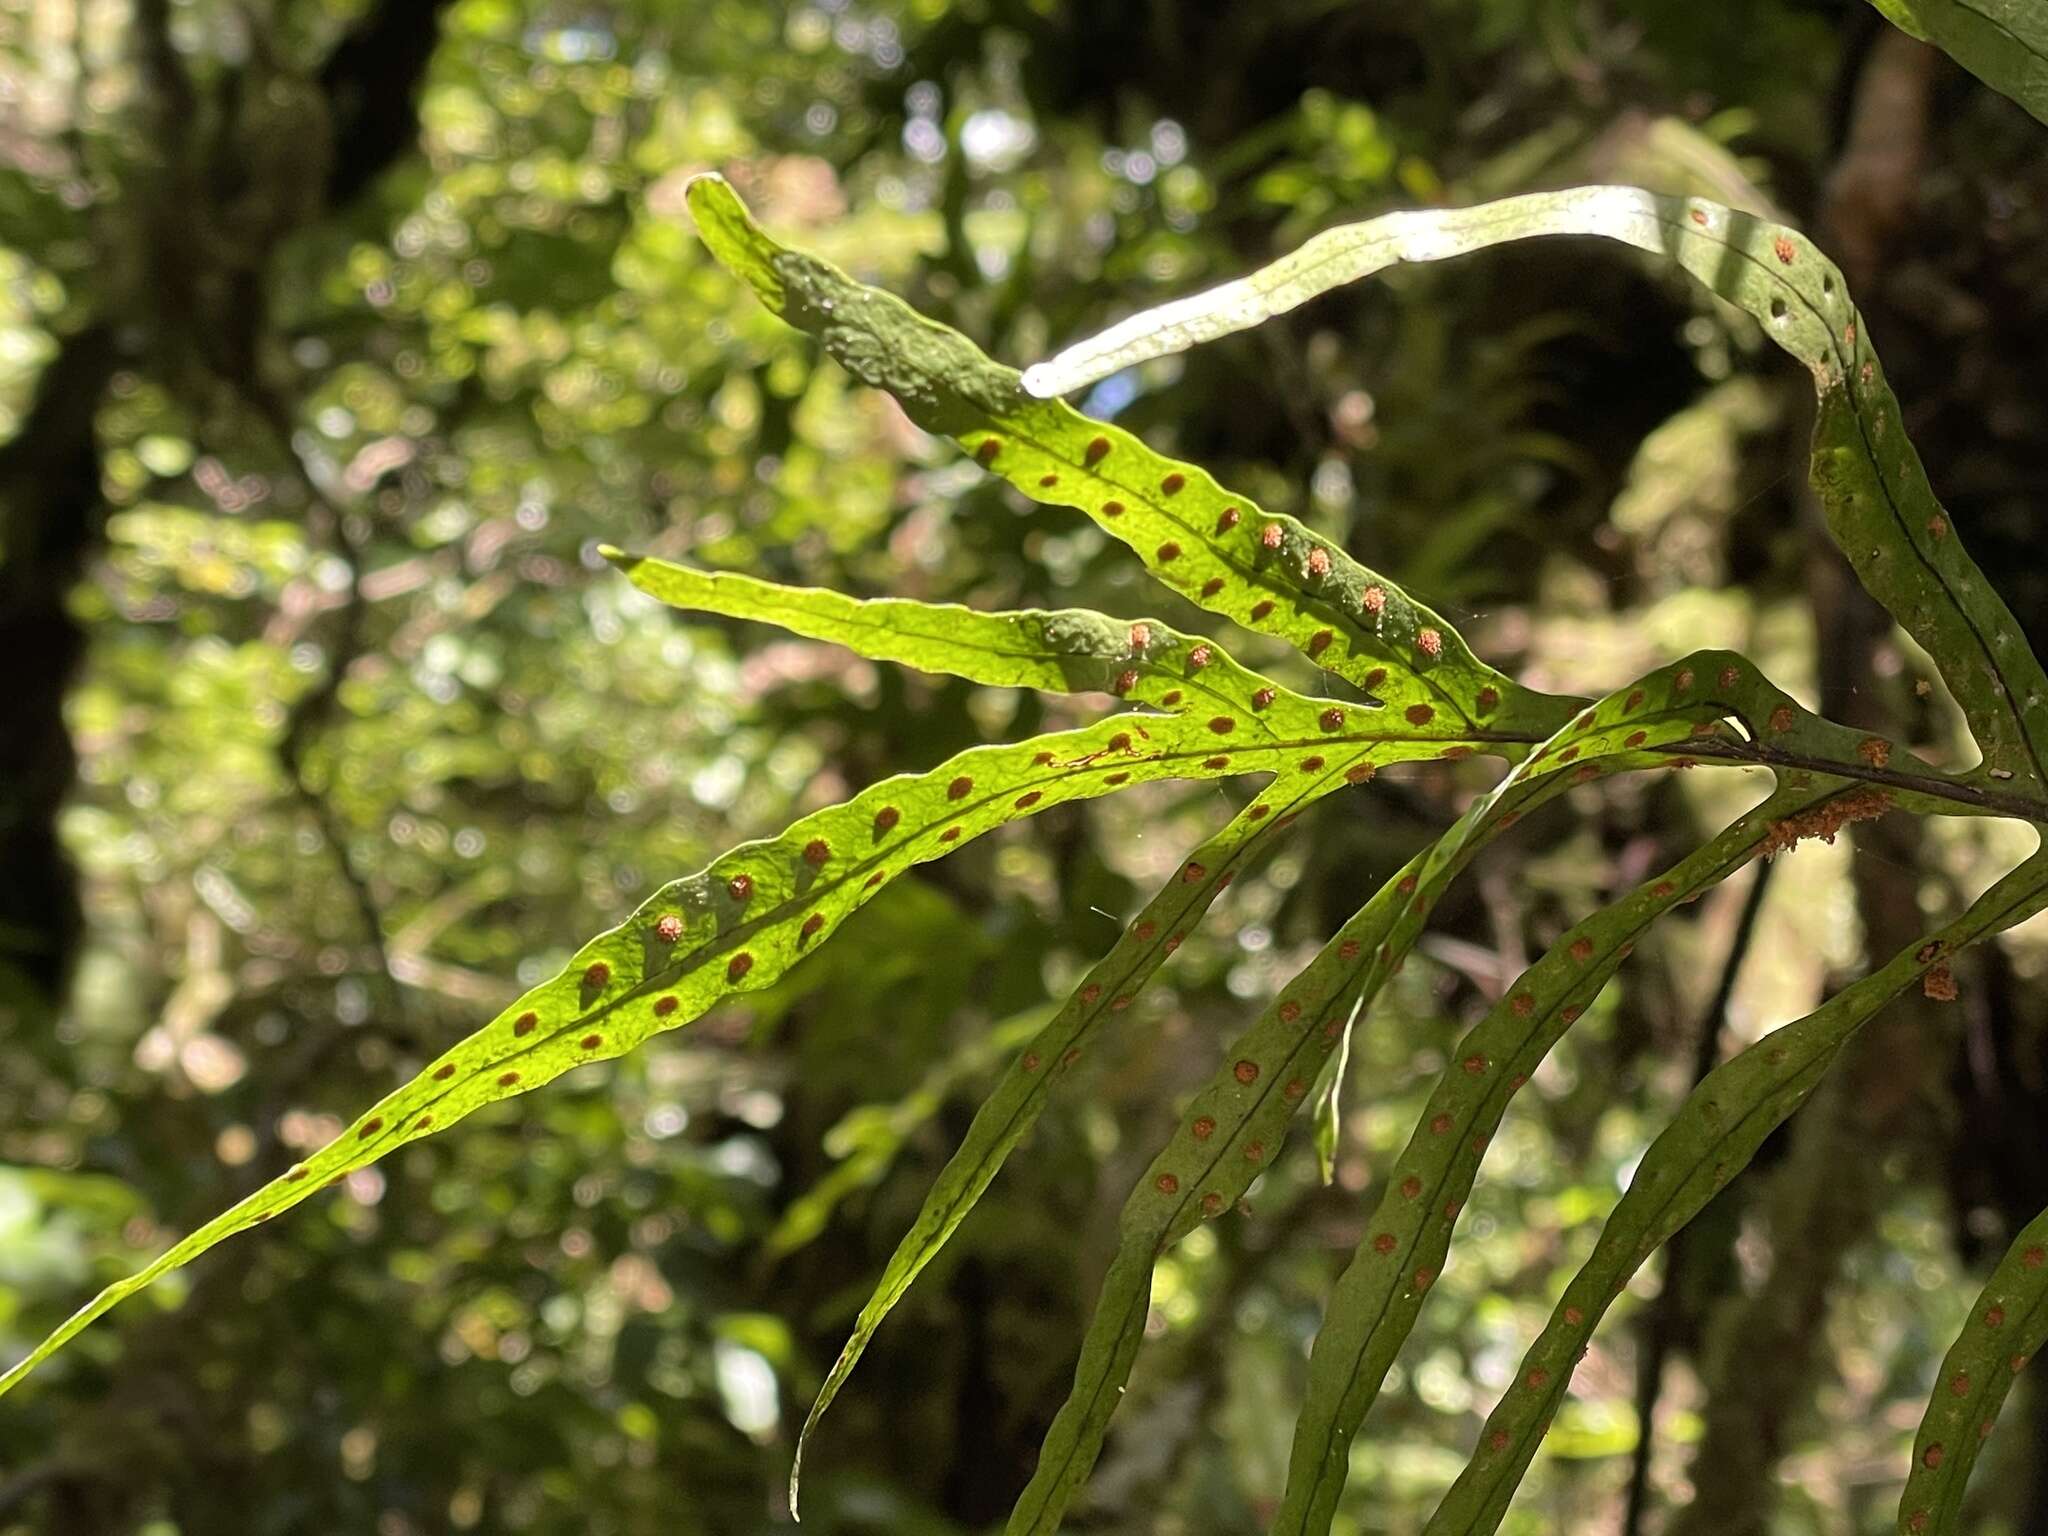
[{"x": 50, "y": 518}]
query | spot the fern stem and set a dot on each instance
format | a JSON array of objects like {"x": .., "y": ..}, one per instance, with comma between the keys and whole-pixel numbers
[{"x": 1978, "y": 798}]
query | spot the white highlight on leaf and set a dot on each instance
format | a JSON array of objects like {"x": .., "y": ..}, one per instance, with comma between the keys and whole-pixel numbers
[{"x": 1349, "y": 253}]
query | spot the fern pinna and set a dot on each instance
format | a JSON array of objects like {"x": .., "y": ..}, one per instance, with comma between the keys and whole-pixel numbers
[{"x": 1185, "y": 708}]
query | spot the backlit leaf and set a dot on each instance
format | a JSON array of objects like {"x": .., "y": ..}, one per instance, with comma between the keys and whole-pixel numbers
[
  {"x": 735, "y": 927},
  {"x": 1061, "y": 651},
  {"x": 1214, "y": 546},
  {"x": 1879, "y": 505}
]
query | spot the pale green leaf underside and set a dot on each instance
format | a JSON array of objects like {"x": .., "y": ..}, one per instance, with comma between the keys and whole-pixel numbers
[
  {"x": 2007, "y": 1327},
  {"x": 2004, "y": 43},
  {"x": 1879, "y": 505},
  {"x": 1067, "y": 650}
]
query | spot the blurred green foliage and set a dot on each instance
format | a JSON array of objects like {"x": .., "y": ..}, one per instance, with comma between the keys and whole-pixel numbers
[{"x": 367, "y": 738}]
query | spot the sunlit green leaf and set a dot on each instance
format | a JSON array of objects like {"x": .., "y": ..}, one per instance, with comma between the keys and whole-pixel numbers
[
  {"x": 1879, "y": 505},
  {"x": 1711, "y": 1139},
  {"x": 732, "y": 928},
  {"x": 1064, "y": 651}
]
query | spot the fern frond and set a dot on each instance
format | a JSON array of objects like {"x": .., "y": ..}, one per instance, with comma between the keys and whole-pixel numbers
[
  {"x": 1880, "y": 508},
  {"x": 2007, "y": 1327},
  {"x": 1712, "y": 1138},
  {"x": 1238, "y": 1122},
  {"x": 736, "y": 927},
  {"x": 1381, "y": 1293},
  {"x": 1215, "y": 547},
  {"x": 1067, "y": 650},
  {"x": 2004, "y": 43},
  {"x": 1109, "y": 988}
]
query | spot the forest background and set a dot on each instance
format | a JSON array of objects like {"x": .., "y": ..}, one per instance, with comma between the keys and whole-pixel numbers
[{"x": 336, "y": 335}]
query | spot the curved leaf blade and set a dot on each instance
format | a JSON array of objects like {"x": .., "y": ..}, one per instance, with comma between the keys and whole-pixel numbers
[
  {"x": 2007, "y": 1327},
  {"x": 2004, "y": 43},
  {"x": 741, "y": 923},
  {"x": 1714, "y": 1135},
  {"x": 1380, "y": 1295},
  {"x": 1880, "y": 507},
  {"x": 1326, "y": 1095},
  {"x": 1218, "y": 549},
  {"x": 1068, "y": 650},
  {"x": 734, "y": 927},
  {"x": 1009, "y": 1113}
]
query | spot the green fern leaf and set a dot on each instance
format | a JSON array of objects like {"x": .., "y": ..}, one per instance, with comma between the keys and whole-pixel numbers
[
  {"x": 1237, "y": 1123},
  {"x": 1061, "y": 651},
  {"x": 1381, "y": 1292},
  {"x": 1713, "y": 1136},
  {"x": 1879, "y": 505},
  {"x": 1110, "y": 986},
  {"x": 1671, "y": 716},
  {"x": 1215, "y": 547},
  {"x": 735, "y": 927},
  {"x": 2007, "y": 1327},
  {"x": 740, "y": 924},
  {"x": 2004, "y": 43},
  {"x": 1376, "y": 1302}
]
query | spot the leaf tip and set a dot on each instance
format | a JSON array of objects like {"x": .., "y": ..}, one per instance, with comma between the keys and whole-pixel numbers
[{"x": 1042, "y": 381}]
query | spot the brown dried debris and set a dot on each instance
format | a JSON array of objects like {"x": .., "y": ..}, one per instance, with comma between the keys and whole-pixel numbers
[{"x": 1826, "y": 819}]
